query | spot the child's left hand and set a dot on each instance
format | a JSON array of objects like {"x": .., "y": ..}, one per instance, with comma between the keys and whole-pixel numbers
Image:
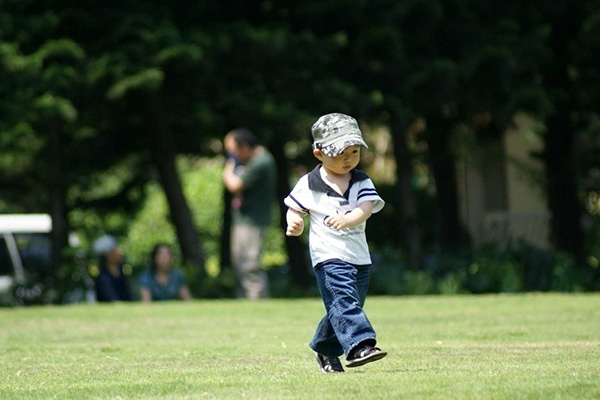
[
  {"x": 337, "y": 221},
  {"x": 349, "y": 220}
]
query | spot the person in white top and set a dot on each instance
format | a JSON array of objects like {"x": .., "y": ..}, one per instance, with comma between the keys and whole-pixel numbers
[{"x": 339, "y": 199}]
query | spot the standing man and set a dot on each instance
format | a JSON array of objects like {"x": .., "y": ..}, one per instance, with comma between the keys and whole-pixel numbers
[{"x": 250, "y": 175}]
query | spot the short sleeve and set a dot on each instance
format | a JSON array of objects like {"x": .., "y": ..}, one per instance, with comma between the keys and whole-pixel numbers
[
  {"x": 298, "y": 197},
  {"x": 258, "y": 170},
  {"x": 251, "y": 176},
  {"x": 368, "y": 192}
]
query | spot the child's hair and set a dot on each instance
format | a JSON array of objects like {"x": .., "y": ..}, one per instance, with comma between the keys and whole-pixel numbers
[{"x": 244, "y": 136}]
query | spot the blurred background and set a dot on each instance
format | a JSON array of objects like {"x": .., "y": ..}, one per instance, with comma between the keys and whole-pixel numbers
[{"x": 482, "y": 120}]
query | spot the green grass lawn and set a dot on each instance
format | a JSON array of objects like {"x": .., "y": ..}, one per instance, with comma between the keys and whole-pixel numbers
[{"x": 539, "y": 346}]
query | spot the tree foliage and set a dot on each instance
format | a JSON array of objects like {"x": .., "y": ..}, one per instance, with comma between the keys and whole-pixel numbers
[{"x": 99, "y": 98}]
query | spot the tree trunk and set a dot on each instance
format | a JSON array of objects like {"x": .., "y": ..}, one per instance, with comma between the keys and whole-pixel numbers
[
  {"x": 225, "y": 242},
  {"x": 299, "y": 266},
  {"x": 163, "y": 155},
  {"x": 450, "y": 234},
  {"x": 566, "y": 230},
  {"x": 566, "y": 210},
  {"x": 406, "y": 201}
]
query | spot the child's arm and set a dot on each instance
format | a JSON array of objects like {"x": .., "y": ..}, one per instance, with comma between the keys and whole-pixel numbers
[
  {"x": 355, "y": 217},
  {"x": 295, "y": 222}
]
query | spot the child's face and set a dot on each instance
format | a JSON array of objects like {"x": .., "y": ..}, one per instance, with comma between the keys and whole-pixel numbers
[{"x": 342, "y": 163}]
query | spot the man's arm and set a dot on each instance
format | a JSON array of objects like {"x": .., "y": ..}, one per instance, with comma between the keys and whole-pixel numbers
[{"x": 232, "y": 182}]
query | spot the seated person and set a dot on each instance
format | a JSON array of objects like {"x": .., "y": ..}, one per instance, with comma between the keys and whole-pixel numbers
[
  {"x": 161, "y": 281},
  {"x": 111, "y": 284}
]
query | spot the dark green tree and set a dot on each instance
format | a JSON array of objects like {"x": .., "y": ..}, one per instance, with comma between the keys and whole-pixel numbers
[{"x": 557, "y": 79}]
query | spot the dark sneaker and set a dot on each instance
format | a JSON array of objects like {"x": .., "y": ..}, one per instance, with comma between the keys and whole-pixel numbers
[
  {"x": 365, "y": 355},
  {"x": 329, "y": 364}
]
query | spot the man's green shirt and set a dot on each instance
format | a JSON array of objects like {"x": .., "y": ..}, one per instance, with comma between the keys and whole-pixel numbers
[{"x": 259, "y": 176}]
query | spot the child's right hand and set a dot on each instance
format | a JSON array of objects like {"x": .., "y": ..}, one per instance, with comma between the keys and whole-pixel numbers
[
  {"x": 295, "y": 223},
  {"x": 295, "y": 228}
]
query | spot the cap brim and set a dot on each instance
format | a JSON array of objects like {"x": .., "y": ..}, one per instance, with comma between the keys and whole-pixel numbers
[{"x": 336, "y": 148}]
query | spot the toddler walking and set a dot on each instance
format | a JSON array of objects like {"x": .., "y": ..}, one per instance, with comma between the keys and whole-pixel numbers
[{"x": 339, "y": 199}]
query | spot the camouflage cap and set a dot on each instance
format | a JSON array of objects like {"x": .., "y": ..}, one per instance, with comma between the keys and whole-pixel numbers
[{"x": 334, "y": 133}]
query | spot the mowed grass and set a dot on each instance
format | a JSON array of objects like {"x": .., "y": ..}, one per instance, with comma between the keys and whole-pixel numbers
[{"x": 536, "y": 346}]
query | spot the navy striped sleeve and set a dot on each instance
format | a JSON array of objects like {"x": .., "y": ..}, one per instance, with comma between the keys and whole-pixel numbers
[
  {"x": 367, "y": 192},
  {"x": 302, "y": 208}
]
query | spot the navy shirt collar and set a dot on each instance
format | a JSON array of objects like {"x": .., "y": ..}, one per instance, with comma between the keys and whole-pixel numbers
[{"x": 316, "y": 183}]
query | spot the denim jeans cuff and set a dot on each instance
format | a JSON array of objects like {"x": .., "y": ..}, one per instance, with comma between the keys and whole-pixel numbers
[
  {"x": 326, "y": 352},
  {"x": 359, "y": 340}
]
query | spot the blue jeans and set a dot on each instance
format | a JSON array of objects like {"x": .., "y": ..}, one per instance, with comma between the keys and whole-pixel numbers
[{"x": 343, "y": 287}]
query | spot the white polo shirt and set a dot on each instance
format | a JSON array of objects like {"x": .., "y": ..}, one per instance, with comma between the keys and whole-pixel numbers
[{"x": 313, "y": 196}]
